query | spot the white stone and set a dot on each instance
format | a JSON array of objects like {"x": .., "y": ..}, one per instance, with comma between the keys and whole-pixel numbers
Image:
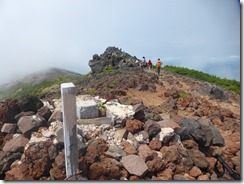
[
  {"x": 87, "y": 109},
  {"x": 46, "y": 103},
  {"x": 115, "y": 110},
  {"x": 35, "y": 138},
  {"x": 57, "y": 103},
  {"x": 166, "y": 134},
  {"x": 119, "y": 111},
  {"x": 9, "y": 128}
]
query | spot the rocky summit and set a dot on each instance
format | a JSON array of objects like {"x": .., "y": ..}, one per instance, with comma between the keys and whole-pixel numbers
[
  {"x": 112, "y": 57},
  {"x": 132, "y": 125}
]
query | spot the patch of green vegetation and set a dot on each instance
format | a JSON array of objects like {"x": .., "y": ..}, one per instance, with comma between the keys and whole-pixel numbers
[
  {"x": 113, "y": 84},
  {"x": 51, "y": 86},
  {"x": 108, "y": 71},
  {"x": 232, "y": 85},
  {"x": 86, "y": 77},
  {"x": 91, "y": 91},
  {"x": 109, "y": 68},
  {"x": 101, "y": 106},
  {"x": 45, "y": 87},
  {"x": 183, "y": 94}
]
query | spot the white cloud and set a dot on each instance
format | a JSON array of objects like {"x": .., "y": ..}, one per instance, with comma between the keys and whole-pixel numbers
[
  {"x": 225, "y": 58},
  {"x": 65, "y": 34}
]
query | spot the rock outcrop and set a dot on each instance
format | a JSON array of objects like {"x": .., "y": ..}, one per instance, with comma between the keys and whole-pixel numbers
[{"x": 114, "y": 58}]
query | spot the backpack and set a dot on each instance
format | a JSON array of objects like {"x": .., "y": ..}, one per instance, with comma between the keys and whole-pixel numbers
[{"x": 158, "y": 64}]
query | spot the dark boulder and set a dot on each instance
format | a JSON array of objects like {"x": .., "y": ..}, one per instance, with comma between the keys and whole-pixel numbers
[
  {"x": 112, "y": 58},
  {"x": 29, "y": 124},
  {"x": 44, "y": 112},
  {"x": 218, "y": 93},
  {"x": 8, "y": 110},
  {"x": 152, "y": 128},
  {"x": 202, "y": 132},
  {"x": 30, "y": 103},
  {"x": 6, "y": 159}
]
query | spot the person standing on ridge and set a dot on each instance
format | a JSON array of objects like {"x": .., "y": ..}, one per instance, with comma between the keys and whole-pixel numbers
[
  {"x": 149, "y": 63},
  {"x": 158, "y": 65},
  {"x": 144, "y": 63}
]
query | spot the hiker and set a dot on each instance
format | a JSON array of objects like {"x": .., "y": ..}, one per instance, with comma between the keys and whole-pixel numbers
[
  {"x": 158, "y": 65},
  {"x": 144, "y": 63},
  {"x": 149, "y": 63}
]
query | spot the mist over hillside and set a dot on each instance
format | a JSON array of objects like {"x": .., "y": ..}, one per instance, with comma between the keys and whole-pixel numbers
[{"x": 37, "y": 83}]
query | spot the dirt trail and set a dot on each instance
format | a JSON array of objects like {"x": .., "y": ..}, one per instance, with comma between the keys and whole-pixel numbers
[{"x": 149, "y": 99}]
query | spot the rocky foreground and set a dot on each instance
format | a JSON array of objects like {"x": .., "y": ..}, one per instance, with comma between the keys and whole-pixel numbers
[{"x": 161, "y": 128}]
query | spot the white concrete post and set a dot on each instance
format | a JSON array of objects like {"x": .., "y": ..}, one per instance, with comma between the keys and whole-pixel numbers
[{"x": 70, "y": 128}]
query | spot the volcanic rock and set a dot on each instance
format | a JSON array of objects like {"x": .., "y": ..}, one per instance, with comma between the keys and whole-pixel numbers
[
  {"x": 152, "y": 128},
  {"x": 8, "y": 110},
  {"x": 155, "y": 165},
  {"x": 218, "y": 93},
  {"x": 9, "y": 128},
  {"x": 198, "y": 158},
  {"x": 44, "y": 112},
  {"x": 201, "y": 130},
  {"x": 57, "y": 115},
  {"x": 134, "y": 126},
  {"x": 135, "y": 165},
  {"x": 29, "y": 124},
  {"x": 112, "y": 57},
  {"x": 107, "y": 169},
  {"x": 16, "y": 144},
  {"x": 30, "y": 103},
  {"x": 58, "y": 171},
  {"x": 155, "y": 144},
  {"x": 145, "y": 152}
]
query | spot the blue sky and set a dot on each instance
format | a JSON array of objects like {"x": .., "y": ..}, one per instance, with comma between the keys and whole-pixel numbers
[{"x": 198, "y": 34}]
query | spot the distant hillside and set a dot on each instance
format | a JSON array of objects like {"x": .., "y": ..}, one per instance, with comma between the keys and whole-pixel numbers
[
  {"x": 175, "y": 118},
  {"x": 232, "y": 85},
  {"x": 110, "y": 70},
  {"x": 39, "y": 83}
]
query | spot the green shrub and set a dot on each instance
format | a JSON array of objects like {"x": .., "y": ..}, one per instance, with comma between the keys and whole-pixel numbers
[
  {"x": 102, "y": 106},
  {"x": 91, "y": 91}
]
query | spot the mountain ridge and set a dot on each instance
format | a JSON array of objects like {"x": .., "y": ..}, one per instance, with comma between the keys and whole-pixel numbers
[
  {"x": 176, "y": 126},
  {"x": 35, "y": 80}
]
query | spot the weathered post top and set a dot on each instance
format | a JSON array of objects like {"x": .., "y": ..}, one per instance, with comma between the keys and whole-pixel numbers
[{"x": 70, "y": 128}]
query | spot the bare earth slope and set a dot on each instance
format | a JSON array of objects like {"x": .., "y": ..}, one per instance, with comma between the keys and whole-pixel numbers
[{"x": 189, "y": 89}]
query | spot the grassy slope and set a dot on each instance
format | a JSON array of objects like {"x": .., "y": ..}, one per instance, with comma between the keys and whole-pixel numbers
[
  {"x": 232, "y": 85},
  {"x": 47, "y": 86},
  {"x": 52, "y": 86}
]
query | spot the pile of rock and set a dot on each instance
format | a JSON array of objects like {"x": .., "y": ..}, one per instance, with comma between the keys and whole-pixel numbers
[
  {"x": 141, "y": 149},
  {"x": 113, "y": 57}
]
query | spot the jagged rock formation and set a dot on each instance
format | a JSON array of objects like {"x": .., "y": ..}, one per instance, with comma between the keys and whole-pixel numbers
[
  {"x": 175, "y": 125},
  {"x": 113, "y": 57}
]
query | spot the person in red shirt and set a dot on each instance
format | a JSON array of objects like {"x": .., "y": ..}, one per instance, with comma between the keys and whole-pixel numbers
[{"x": 149, "y": 63}]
